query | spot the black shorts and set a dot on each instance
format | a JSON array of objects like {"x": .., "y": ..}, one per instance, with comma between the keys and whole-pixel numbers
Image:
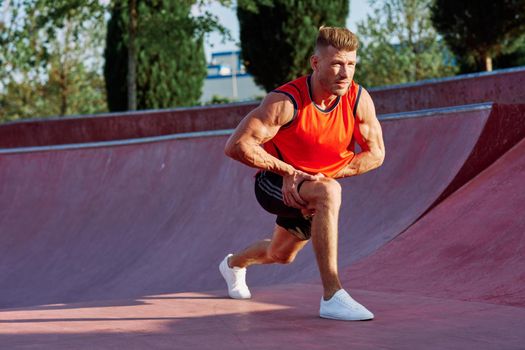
[{"x": 268, "y": 191}]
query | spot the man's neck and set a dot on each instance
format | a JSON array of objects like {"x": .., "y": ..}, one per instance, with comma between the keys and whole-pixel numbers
[{"x": 320, "y": 97}]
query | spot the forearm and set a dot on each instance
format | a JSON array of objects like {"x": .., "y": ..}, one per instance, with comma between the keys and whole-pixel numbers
[
  {"x": 361, "y": 163},
  {"x": 255, "y": 156}
]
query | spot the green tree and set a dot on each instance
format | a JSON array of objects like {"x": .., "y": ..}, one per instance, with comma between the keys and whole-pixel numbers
[
  {"x": 399, "y": 45},
  {"x": 169, "y": 49},
  {"x": 513, "y": 55},
  {"x": 278, "y": 37},
  {"x": 479, "y": 31},
  {"x": 49, "y": 58}
]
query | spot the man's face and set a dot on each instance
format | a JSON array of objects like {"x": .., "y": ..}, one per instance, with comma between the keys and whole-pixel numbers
[{"x": 334, "y": 69}]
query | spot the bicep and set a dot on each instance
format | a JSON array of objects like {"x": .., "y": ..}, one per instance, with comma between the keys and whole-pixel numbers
[
  {"x": 253, "y": 130},
  {"x": 368, "y": 132},
  {"x": 263, "y": 123}
]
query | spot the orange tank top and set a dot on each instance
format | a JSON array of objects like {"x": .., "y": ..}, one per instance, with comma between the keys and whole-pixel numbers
[{"x": 316, "y": 140}]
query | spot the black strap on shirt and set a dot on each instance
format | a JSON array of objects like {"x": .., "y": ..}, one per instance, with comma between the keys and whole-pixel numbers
[{"x": 357, "y": 99}]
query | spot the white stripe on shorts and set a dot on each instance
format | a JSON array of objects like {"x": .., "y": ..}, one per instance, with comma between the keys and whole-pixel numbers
[{"x": 270, "y": 189}]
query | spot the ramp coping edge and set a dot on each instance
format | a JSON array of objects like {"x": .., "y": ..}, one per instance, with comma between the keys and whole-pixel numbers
[{"x": 225, "y": 132}]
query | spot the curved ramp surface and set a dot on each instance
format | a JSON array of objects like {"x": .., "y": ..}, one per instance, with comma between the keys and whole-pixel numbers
[
  {"x": 471, "y": 247},
  {"x": 119, "y": 244},
  {"x": 125, "y": 220}
]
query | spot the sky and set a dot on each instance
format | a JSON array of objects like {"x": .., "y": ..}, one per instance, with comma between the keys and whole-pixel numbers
[{"x": 358, "y": 11}]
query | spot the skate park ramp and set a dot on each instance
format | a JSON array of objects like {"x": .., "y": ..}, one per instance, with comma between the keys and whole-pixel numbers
[
  {"x": 482, "y": 259},
  {"x": 112, "y": 244}
]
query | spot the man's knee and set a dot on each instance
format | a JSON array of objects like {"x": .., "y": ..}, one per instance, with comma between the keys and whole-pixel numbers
[
  {"x": 326, "y": 192},
  {"x": 280, "y": 257}
]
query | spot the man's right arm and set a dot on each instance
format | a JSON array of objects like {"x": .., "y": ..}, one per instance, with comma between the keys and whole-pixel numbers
[{"x": 259, "y": 127}]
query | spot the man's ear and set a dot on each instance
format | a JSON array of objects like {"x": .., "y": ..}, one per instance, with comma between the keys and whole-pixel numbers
[{"x": 314, "y": 62}]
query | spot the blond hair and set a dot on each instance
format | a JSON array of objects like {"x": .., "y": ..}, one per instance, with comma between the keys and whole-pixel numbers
[{"x": 340, "y": 38}]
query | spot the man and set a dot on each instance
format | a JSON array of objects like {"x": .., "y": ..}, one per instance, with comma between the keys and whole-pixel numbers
[{"x": 301, "y": 138}]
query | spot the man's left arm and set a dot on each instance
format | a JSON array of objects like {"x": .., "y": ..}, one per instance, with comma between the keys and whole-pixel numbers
[{"x": 369, "y": 136}]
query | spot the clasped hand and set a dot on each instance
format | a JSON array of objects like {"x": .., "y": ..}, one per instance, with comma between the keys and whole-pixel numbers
[{"x": 290, "y": 190}]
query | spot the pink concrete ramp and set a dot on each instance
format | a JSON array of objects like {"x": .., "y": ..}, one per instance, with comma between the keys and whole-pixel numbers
[
  {"x": 471, "y": 247},
  {"x": 500, "y": 86},
  {"x": 127, "y": 219},
  {"x": 117, "y": 244}
]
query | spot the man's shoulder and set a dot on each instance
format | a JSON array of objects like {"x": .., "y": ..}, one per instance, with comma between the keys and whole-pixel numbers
[
  {"x": 298, "y": 83},
  {"x": 296, "y": 90}
]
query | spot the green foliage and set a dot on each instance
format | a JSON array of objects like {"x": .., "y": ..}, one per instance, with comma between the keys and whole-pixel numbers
[
  {"x": 171, "y": 65},
  {"x": 481, "y": 30},
  {"x": 278, "y": 37},
  {"x": 172, "y": 70},
  {"x": 30, "y": 98},
  {"x": 49, "y": 58},
  {"x": 513, "y": 55},
  {"x": 216, "y": 99},
  {"x": 399, "y": 45}
]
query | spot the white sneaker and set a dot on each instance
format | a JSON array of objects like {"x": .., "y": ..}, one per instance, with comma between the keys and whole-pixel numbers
[
  {"x": 342, "y": 307},
  {"x": 235, "y": 278}
]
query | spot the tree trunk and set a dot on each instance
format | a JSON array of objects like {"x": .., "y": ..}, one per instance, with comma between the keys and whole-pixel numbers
[
  {"x": 132, "y": 56},
  {"x": 488, "y": 63},
  {"x": 64, "y": 70},
  {"x": 63, "y": 91}
]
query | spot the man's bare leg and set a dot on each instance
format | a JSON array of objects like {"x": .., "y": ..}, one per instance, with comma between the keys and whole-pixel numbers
[
  {"x": 282, "y": 249},
  {"x": 324, "y": 196},
  {"x": 324, "y": 199}
]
